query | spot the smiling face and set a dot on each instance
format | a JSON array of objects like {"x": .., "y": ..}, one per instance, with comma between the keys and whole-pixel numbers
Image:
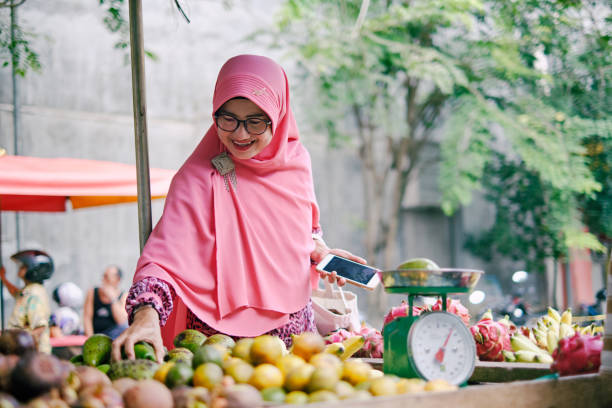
[{"x": 240, "y": 143}]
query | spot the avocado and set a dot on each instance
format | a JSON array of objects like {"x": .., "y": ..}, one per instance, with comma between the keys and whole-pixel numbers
[
  {"x": 190, "y": 339},
  {"x": 144, "y": 350},
  {"x": 139, "y": 369},
  {"x": 16, "y": 341},
  {"x": 221, "y": 339},
  {"x": 97, "y": 350},
  {"x": 180, "y": 354}
]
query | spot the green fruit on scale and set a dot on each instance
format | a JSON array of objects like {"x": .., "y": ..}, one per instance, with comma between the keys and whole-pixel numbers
[
  {"x": 418, "y": 263},
  {"x": 97, "y": 350}
]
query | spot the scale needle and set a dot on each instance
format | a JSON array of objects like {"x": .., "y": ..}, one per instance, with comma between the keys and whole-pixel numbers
[{"x": 440, "y": 353}]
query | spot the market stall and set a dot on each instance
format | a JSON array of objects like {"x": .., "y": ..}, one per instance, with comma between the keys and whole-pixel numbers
[{"x": 35, "y": 184}]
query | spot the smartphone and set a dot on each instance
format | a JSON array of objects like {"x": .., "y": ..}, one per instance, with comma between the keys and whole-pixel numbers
[{"x": 354, "y": 272}]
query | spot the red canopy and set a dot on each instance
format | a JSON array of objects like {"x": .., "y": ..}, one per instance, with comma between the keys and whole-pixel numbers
[{"x": 40, "y": 184}]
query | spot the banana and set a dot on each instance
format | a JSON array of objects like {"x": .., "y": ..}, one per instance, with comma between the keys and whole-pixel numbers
[
  {"x": 336, "y": 349},
  {"x": 554, "y": 314},
  {"x": 351, "y": 346},
  {"x": 544, "y": 358},
  {"x": 553, "y": 326},
  {"x": 565, "y": 330},
  {"x": 532, "y": 337},
  {"x": 525, "y": 356},
  {"x": 586, "y": 330},
  {"x": 509, "y": 356},
  {"x": 552, "y": 340},
  {"x": 597, "y": 329},
  {"x": 566, "y": 317},
  {"x": 540, "y": 337},
  {"x": 522, "y": 342}
]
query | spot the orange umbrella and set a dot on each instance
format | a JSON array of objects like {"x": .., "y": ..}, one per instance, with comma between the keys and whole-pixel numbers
[
  {"x": 46, "y": 185},
  {"x": 41, "y": 184}
]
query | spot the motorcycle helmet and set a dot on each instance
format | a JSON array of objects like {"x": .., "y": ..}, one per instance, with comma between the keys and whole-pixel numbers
[
  {"x": 67, "y": 320},
  {"x": 68, "y": 294},
  {"x": 39, "y": 265}
]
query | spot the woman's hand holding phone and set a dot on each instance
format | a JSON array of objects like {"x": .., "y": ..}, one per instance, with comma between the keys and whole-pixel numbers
[{"x": 321, "y": 251}]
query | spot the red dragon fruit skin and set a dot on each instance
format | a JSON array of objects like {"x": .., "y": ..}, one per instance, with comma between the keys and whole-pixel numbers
[
  {"x": 455, "y": 307},
  {"x": 397, "y": 311},
  {"x": 491, "y": 338},
  {"x": 578, "y": 354}
]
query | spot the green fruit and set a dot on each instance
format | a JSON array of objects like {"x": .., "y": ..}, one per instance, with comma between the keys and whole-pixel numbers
[
  {"x": 209, "y": 353},
  {"x": 418, "y": 263},
  {"x": 77, "y": 360},
  {"x": 190, "y": 339},
  {"x": 97, "y": 350},
  {"x": 273, "y": 394},
  {"x": 137, "y": 369},
  {"x": 143, "y": 350},
  {"x": 322, "y": 396},
  {"x": 179, "y": 374},
  {"x": 222, "y": 340},
  {"x": 181, "y": 354},
  {"x": 296, "y": 397},
  {"x": 104, "y": 368}
]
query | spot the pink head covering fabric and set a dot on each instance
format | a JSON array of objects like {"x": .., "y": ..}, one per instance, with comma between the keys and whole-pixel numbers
[{"x": 239, "y": 259}]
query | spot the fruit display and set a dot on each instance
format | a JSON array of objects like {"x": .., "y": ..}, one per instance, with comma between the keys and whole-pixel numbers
[
  {"x": 204, "y": 372},
  {"x": 492, "y": 338},
  {"x": 578, "y": 354},
  {"x": 453, "y": 306},
  {"x": 369, "y": 340}
]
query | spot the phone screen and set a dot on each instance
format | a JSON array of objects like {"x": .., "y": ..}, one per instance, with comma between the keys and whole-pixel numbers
[{"x": 350, "y": 270}]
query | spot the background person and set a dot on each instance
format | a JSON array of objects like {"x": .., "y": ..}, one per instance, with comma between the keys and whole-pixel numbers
[
  {"x": 104, "y": 308},
  {"x": 31, "y": 311},
  {"x": 65, "y": 320},
  {"x": 234, "y": 248}
]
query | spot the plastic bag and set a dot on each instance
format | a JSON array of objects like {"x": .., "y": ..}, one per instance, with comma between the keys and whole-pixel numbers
[{"x": 330, "y": 312}]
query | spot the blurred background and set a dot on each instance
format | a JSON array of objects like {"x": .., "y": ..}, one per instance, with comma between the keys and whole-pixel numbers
[{"x": 474, "y": 133}]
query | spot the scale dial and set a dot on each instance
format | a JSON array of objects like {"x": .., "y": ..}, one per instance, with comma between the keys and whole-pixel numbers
[{"x": 441, "y": 346}]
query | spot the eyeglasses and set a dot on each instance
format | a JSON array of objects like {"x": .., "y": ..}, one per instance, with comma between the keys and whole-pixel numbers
[{"x": 253, "y": 126}]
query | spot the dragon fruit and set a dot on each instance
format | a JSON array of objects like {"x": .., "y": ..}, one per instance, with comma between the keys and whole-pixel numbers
[
  {"x": 578, "y": 354},
  {"x": 511, "y": 327},
  {"x": 374, "y": 344},
  {"x": 338, "y": 336},
  {"x": 491, "y": 338},
  {"x": 372, "y": 347},
  {"x": 399, "y": 311},
  {"x": 455, "y": 307}
]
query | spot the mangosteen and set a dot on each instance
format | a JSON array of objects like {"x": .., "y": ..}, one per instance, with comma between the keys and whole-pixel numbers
[
  {"x": 16, "y": 341},
  {"x": 35, "y": 374}
]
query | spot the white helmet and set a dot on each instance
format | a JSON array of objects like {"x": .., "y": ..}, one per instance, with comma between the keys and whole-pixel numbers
[
  {"x": 68, "y": 294},
  {"x": 67, "y": 320}
]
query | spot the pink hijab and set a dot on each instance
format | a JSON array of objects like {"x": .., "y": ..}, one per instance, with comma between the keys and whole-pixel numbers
[{"x": 239, "y": 259}]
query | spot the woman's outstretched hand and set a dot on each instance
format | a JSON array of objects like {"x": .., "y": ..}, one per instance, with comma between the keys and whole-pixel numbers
[
  {"x": 145, "y": 327},
  {"x": 321, "y": 250}
]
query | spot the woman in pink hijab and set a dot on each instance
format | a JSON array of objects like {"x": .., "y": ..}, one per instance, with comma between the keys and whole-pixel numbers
[{"x": 234, "y": 250}]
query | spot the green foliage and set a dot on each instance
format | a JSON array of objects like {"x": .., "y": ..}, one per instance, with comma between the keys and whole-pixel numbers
[
  {"x": 17, "y": 51},
  {"x": 481, "y": 64},
  {"x": 117, "y": 24}
]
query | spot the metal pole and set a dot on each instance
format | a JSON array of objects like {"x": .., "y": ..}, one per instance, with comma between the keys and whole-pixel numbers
[
  {"x": 140, "y": 122},
  {"x": 1, "y": 264},
  {"x": 16, "y": 108}
]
